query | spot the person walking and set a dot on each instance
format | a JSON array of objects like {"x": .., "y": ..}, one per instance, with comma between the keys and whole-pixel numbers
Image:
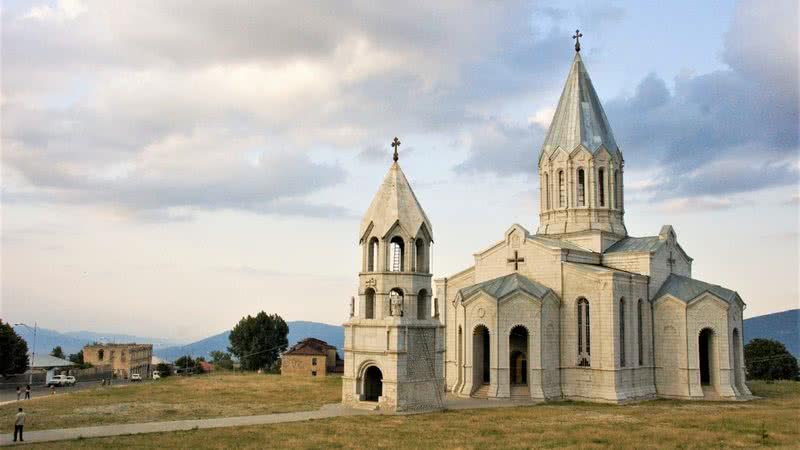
[
  {"x": 19, "y": 422},
  {"x": 19, "y": 393},
  {"x": 27, "y": 392}
]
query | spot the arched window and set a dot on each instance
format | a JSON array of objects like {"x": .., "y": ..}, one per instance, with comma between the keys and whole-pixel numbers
[
  {"x": 547, "y": 190},
  {"x": 640, "y": 331},
  {"x": 601, "y": 187},
  {"x": 622, "y": 332},
  {"x": 396, "y": 254},
  {"x": 562, "y": 190},
  {"x": 369, "y": 307},
  {"x": 396, "y": 301},
  {"x": 419, "y": 257},
  {"x": 581, "y": 188},
  {"x": 101, "y": 354},
  {"x": 617, "y": 191},
  {"x": 372, "y": 256},
  {"x": 423, "y": 309},
  {"x": 584, "y": 333}
]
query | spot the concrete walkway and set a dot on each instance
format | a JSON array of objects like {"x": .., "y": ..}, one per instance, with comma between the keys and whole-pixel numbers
[{"x": 325, "y": 412}]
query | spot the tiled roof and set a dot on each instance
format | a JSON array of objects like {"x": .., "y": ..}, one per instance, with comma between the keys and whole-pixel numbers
[
  {"x": 551, "y": 242},
  {"x": 46, "y": 361},
  {"x": 502, "y": 286},
  {"x": 395, "y": 201},
  {"x": 579, "y": 116},
  {"x": 687, "y": 289},
  {"x": 309, "y": 346},
  {"x": 635, "y": 244}
]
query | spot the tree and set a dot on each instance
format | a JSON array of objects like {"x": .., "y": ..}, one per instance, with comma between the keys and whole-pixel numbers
[
  {"x": 221, "y": 359},
  {"x": 14, "y": 350},
  {"x": 77, "y": 358},
  {"x": 57, "y": 352},
  {"x": 163, "y": 370},
  {"x": 258, "y": 341},
  {"x": 185, "y": 364},
  {"x": 768, "y": 359}
]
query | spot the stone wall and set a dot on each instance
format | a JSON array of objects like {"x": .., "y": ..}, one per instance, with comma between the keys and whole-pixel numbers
[{"x": 303, "y": 365}]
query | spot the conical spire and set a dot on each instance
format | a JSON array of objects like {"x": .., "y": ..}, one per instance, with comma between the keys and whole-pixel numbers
[
  {"x": 579, "y": 117},
  {"x": 394, "y": 202}
]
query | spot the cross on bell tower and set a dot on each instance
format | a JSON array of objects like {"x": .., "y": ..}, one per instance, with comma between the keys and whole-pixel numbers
[
  {"x": 671, "y": 262},
  {"x": 396, "y": 145},
  {"x": 577, "y": 36}
]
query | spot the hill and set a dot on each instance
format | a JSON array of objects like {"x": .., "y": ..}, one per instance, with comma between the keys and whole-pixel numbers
[
  {"x": 73, "y": 341},
  {"x": 298, "y": 330},
  {"x": 782, "y": 326}
]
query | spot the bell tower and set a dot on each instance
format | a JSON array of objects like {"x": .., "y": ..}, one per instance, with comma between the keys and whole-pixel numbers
[
  {"x": 581, "y": 168},
  {"x": 394, "y": 347}
]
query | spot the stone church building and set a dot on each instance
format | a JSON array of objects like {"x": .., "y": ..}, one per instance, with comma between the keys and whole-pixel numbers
[{"x": 577, "y": 310}]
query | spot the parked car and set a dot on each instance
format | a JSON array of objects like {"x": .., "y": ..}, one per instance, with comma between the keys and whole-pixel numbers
[
  {"x": 61, "y": 380},
  {"x": 156, "y": 375},
  {"x": 71, "y": 380},
  {"x": 135, "y": 377}
]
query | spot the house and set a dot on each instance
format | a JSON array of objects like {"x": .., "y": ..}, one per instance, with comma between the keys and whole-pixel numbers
[{"x": 311, "y": 357}]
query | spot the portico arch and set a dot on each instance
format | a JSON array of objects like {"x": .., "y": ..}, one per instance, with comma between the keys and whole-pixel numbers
[
  {"x": 518, "y": 355},
  {"x": 372, "y": 384},
  {"x": 707, "y": 357},
  {"x": 481, "y": 355}
]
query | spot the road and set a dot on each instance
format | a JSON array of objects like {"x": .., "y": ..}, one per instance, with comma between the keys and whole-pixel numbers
[{"x": 41, "y": 391}]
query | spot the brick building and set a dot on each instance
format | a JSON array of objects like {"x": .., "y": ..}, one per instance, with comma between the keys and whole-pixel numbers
[
  {"x": 311, "y": 357},
  {"x": 124, "y": 359}
]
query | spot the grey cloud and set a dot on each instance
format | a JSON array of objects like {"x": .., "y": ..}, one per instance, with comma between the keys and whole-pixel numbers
[{"x": 503, "y": 149}]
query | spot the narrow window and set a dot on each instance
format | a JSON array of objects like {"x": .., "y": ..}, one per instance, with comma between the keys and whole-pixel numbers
[
  {"x": 583, "y": 333},
  {"x": 617, "y": 190},
  {"x": 562, "y": 193},
  {"x": 313, "y": 361},
  {"x": 421, "y": 266},
  {"x": 622, "y": 332},
  {"x": 601, "y": 187},
  {"x": 581, "y": 188},
  {"x": 100, "y": 354},
  {"x": 397, "y": 261},
  {"x": 369, "y": 312},
  {"x": 640, "y": 332},
  {"x": 313, "y": 373},
  {"x": 423, "y": 310},
  {"x": 372, "y": 257},
  {"x": 547, "y": 190}
]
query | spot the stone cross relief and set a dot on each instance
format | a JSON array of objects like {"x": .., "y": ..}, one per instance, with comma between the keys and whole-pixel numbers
[
  {"x": 671, "y": 262},
  {"x": 516, "y": 260}
]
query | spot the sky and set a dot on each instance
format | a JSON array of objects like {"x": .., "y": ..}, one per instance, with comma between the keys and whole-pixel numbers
[{"x": 169, "y": 167}]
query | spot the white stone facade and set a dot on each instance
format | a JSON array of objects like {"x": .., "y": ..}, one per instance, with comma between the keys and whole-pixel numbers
[{"x": 579, "y": 310}]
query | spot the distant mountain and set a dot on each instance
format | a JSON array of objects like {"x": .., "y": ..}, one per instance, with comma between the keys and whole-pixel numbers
[
  {"x": 298, "y": 330},
  {"x": 73, "y": 341},
  {"x": 783, "y": 326}
]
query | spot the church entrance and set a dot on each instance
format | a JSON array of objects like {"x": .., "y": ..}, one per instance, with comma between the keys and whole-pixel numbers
[
  {"x": 481, "y": 355},
  {"x": 518, "y": 347},
  {"x": 706, "y": 352},
  {"x": 373, "y": 384}
]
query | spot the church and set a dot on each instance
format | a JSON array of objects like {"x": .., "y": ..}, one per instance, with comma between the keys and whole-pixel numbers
[{"x": 577, "y": 310}]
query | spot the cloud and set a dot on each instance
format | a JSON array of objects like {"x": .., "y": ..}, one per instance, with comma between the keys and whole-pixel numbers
[{"x": 503, "y": 149}]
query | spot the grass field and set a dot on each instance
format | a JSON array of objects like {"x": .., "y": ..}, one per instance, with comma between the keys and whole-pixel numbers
[
  {"x": 176, "y": 398},
  {"x": 773, "y": 421}
]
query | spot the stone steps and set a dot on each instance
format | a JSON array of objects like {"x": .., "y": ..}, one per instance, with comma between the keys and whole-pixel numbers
[
  {"x": 481, "y": 392},
  {"x": 520, "y": 393}
]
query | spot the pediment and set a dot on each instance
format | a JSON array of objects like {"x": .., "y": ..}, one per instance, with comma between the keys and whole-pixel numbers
[
  {"x": 397, "y": 229},
  {"x": 559, "y": 156},
  {"x": 581, "y": 154},
  {"x": 706, "y": 297}
]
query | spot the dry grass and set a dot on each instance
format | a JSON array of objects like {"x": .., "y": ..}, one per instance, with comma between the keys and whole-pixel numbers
[
  {"x": 174, "y": 398},
  {"x": 656, "y": 424}
]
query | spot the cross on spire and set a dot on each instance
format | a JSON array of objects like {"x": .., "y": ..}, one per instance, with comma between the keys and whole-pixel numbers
[
  {"x": 516, "y": 260},
  {"x": 396, "y": 145},
  {"x": 577, "y": 36}
]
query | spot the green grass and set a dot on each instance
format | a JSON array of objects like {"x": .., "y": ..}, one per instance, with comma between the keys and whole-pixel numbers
[
  {"x": 176, "y": 398},
  {"x": 771, "y": 422}
]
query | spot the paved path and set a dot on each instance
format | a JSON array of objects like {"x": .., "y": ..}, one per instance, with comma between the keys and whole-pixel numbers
[
  {"x": 327, "y": 411},
  {"x": 182, "y": 425}
]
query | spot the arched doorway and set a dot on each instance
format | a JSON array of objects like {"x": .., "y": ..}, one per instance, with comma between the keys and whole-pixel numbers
[
  {"x": 706, "y": 353},
  {"x": 481, "y": 355},
  {"x": 373, "y": 384},
  {"x": 518, "y": 348}
]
